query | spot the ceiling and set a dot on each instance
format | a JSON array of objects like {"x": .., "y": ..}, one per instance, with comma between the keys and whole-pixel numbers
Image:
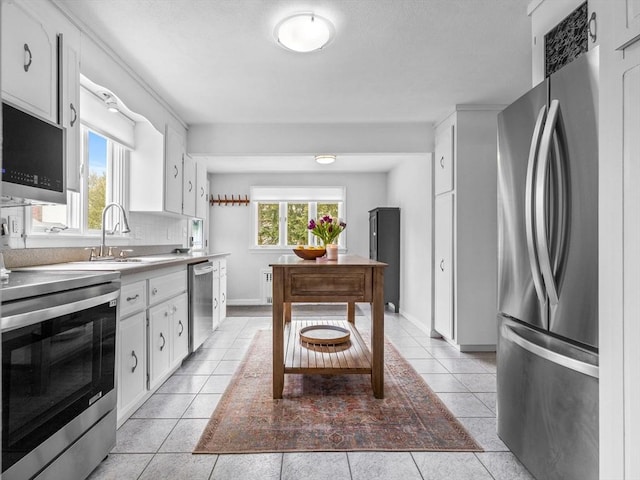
[{"x": 216, "y": 61}]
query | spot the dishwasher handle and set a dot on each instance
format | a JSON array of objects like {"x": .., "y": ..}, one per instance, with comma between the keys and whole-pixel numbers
[{"x": 202, "y": 270}]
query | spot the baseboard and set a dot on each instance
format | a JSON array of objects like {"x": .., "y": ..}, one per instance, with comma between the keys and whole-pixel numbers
[{"x": 423, "y": 328}]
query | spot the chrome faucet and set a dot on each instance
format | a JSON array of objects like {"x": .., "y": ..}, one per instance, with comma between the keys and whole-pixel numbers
[{"x": 125, "y": 228}]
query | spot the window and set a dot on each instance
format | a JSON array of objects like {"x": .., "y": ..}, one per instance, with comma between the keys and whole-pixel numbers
[
  {"x": 283, "y": 213},
  {"x": 104, "y": 180}
]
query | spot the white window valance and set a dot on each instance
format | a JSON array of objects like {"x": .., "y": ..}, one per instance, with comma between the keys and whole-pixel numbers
[{"x": 297, "y": 194}]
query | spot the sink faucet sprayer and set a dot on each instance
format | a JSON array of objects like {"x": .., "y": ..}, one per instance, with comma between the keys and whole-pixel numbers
[{"x": 125, "y": 225}]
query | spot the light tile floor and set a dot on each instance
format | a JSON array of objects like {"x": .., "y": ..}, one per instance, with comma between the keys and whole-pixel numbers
[{"x": 156, "y": 442}]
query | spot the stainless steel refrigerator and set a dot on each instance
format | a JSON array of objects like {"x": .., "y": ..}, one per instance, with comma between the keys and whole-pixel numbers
[{"x": 547, "y": 358}]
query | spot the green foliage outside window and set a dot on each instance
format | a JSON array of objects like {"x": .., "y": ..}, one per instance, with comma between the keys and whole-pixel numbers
[
  {"x": 297, "y": 218},
  {"x": 295, "y": 228},
  {"x": 330, "y": 209},
  {"x": 97, "y": 187},
  {"x": 268, "y": 224}
]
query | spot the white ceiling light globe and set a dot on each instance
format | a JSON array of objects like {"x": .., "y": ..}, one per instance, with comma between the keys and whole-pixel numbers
[{"x": 304, "y": 32}]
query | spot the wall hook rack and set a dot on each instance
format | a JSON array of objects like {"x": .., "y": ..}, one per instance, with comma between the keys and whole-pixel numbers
[{"x": 229, "y": 201}]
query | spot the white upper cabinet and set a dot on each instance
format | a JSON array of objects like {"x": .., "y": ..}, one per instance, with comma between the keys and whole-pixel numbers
[
  {"x": 444, "y": 160},
  {"x": 71, "y": 104},
  {"x": 202, "y": 191},
  {"x": 163, "y": 177},
  {"x": 627, "y": 23},
  {"x": 188, "y": 186},
  {"x": 174, "y": 154},
  {"x": 29, "y": 61}
]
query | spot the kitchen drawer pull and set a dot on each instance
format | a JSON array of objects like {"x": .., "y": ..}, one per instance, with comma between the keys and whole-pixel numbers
[
  {"x": 28, "y": 58},
  {"x": 75, "y": 114},
  {"x": 181, "y": 328},
  {"x": 135, "y": 357},
  {"x": 164, "y": 342},
  {"x": 134, "y": 298}
]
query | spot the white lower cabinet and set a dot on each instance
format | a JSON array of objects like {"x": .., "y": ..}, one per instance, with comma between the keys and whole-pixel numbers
[
  {"x": 132, "y": 371},
  {"x": 153, "y": 337},
  {"x": 179, "y": 329},
  {"x": 159, "y": 348}
]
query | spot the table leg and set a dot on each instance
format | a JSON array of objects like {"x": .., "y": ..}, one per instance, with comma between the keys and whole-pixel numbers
[
  {"x": 287, "y": 312},
  {"x": 351, "y": 312},
  {"x": 377, "y": 334},
  {"x": 278, "y": 332}
]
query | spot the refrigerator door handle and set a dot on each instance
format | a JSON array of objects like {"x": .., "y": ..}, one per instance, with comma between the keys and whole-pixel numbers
[
  {"x": 529, "y": 206},
  {"x": 542, "y": 238},
  {"x": 531, "y": 346}
]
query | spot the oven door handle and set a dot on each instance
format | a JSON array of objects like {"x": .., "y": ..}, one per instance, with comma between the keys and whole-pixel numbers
[{"x": 47, "y": 308}]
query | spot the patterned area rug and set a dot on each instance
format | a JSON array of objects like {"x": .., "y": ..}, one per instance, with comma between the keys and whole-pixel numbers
[{"x": 330, "y": 413}]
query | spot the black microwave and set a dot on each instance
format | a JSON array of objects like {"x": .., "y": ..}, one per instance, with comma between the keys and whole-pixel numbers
[{"x": 33, "y": 157}]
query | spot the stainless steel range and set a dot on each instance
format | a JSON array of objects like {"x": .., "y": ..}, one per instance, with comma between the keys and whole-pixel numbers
[{"x": 58, "y": 372}]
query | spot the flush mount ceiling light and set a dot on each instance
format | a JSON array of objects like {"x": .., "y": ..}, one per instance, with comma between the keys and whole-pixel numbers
[
  {"x": 304, "y": 32},
  {"x": 325, "y": 159}
]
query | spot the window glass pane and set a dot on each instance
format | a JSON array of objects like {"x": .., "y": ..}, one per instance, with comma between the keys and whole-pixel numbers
[
  {"x": 297, "y": 220},
  {"x": 97, "y": 181},
  {"x": 268, "y": 223},
  {"x": 60, "y": 216},
  {"x": 330, "y": 209}
]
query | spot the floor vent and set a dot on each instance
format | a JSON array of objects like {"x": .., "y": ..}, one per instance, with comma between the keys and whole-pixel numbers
[{"x": 266, "y": 280}]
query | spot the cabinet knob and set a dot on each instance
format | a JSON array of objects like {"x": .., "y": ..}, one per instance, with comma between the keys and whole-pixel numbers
[
  {"x": 154, "y": 291},
  {"x": 28, "y": 58}
]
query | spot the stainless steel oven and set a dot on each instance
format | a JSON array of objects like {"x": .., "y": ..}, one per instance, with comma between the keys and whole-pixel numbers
[{"x": 58, "y": 373}]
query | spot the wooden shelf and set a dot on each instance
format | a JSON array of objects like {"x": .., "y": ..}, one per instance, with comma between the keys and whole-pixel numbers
[{"x": 352, "y": 357}]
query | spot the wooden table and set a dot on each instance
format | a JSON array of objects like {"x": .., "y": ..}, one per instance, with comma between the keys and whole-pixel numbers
[{"x": 349, "y": 279}]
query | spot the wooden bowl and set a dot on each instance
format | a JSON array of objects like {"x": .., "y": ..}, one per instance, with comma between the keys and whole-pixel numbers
[{"x": 308, "y": 254}]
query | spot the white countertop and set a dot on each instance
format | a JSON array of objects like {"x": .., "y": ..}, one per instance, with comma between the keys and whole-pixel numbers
[{"x": 134, "y": 265}]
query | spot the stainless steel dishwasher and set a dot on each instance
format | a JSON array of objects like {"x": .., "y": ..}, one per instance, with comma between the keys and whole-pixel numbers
[{"x": 200, "y": 303}]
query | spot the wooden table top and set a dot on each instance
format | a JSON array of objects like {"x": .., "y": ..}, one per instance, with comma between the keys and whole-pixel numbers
[{"x": 353, "y": 260}]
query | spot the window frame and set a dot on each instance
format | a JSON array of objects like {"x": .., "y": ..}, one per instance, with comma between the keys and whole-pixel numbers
[
  {"x": 78, "y": 202},
  {"x": 283, "y": 203}
]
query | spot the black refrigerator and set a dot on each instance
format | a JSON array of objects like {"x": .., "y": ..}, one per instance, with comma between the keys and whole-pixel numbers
[
  {"x": 384, "y": 246},
  {"x": 547, "y": 356}
]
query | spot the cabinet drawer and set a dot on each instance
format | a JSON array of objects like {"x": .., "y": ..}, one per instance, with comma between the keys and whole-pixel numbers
[
  {"x": 167, "y": 286},
  {"x": 133, "y": 298}
]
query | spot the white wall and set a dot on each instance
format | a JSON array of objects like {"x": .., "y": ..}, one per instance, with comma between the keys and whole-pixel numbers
[
  {"x": 231, "y": 228},
  {"x": 410, "y": 188}
]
